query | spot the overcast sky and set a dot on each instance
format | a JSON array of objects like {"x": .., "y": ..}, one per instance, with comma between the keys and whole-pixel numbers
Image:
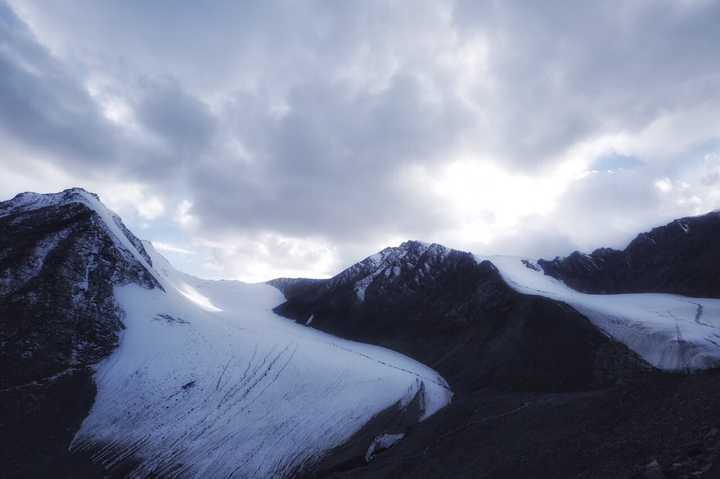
[{"x": 250, "y": 140}]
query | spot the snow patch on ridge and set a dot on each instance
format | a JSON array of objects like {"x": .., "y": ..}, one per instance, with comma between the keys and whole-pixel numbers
[{"x": 671, "y": 332}]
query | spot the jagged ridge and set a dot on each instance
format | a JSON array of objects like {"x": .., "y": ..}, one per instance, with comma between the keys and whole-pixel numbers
[{"x": 679, "y": 258}]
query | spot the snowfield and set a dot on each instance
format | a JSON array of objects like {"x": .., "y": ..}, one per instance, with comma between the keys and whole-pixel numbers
[
  {"x": 671, "y": 332},
  {"x": 208, "y": 382}
]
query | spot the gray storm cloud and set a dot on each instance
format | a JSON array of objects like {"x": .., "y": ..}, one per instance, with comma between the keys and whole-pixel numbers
[{"x": 314, "y": 120}]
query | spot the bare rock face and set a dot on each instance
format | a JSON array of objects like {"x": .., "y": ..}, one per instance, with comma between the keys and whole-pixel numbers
[
  {"x": 680, "y": 258},
  {"x": 59, "y": 262},
  {"x": 58, "y": 266}
]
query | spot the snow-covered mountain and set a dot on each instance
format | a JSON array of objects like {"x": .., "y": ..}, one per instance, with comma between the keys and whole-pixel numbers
[
  {"x": 553, "y": 378},
  {"x": 474, "y": 365},
  {"x": 60, "y": 256},
  {"x": 205, "y": 380},
  {"x": 457, "y": 314},
  {"x": 390, "y": 296}
]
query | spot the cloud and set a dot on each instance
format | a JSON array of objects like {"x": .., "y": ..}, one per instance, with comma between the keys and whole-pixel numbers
[
  {"x": 170, "y": 248},
  {"x": 613, "y": 162},
  {"x": 711, "y": 173},
  {"x": 43, "y": 107},
  {"x": 182, "y": 121},
  {"x": 299, "y": 137},
  {"x": 610, "y": 208},
  {"x": 563, "y": 72},
  {"x": 258, "y": 257}
]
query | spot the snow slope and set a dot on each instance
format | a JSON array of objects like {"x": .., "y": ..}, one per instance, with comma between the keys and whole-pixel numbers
[
  {"x": 208, "y": 382},
  {"x": 670, "y": 332}
]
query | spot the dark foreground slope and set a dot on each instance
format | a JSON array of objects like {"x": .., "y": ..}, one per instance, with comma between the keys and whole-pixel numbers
[
  {"x": 659, "y": 426},
  {"x": 681, "y": 257},
  {"x": 58, "y": 316}
]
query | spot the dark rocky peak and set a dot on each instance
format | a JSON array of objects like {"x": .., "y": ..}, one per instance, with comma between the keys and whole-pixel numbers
[
  {"x": 446, "y": 309},
  {"x": 61, "y": 255},
  {"x": 409, "y": 262},
  {"x": 390, "y": 265},
  {"x": 686, "y": 231},
  {"x": 293, "y": 287},
  {"x": 51, "y": 203},
  {"x": 393, "y": 275},
  {"x": 679, "y": 258},
  {"x": 29, "y": 200}
]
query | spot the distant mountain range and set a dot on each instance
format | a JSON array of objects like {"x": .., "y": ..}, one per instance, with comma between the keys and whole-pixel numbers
[{"x": 438, "y": 362}]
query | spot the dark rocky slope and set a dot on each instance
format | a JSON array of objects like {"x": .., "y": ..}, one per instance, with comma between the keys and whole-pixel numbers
[
  {"x": 541, "y": 393},
  {"x": 681, "y": 257},
  {"x": 660, "y": 426},
  {"x": 445, "y": 309},
  {"x": 58, "y": 265}
]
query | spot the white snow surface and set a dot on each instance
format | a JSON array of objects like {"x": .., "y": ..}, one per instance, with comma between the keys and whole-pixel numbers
[
  {"x": 208, "y": 382},
  {"x": 670, "y": 332},
  {"x": 383, "y": 441}
]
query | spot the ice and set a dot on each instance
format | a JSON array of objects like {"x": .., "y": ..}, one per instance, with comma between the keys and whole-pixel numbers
[
  {"x": 229, "y": 388},
  {"x": 384, "y": 441},
  {"x": 671, "y": 332}
]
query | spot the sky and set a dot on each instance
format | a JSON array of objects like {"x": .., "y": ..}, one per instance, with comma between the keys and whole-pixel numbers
[{"x": 257, "y": 139}]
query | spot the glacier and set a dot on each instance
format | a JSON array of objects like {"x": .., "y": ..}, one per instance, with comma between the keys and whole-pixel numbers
[
  {"x": 671, "y": 332},
  {"x": 208, "y": 382}
]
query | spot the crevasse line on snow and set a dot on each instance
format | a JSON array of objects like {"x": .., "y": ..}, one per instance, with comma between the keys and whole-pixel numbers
[{"x": 236, "y": 389}]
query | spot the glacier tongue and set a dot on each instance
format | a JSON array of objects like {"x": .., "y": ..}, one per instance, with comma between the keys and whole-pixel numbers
[
  {"x": 671, "y": 332},
  {"x": 226, "y": 388}
]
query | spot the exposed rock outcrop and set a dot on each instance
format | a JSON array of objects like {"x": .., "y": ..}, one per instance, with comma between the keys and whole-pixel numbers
[{"x": 680, "y": 258}]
